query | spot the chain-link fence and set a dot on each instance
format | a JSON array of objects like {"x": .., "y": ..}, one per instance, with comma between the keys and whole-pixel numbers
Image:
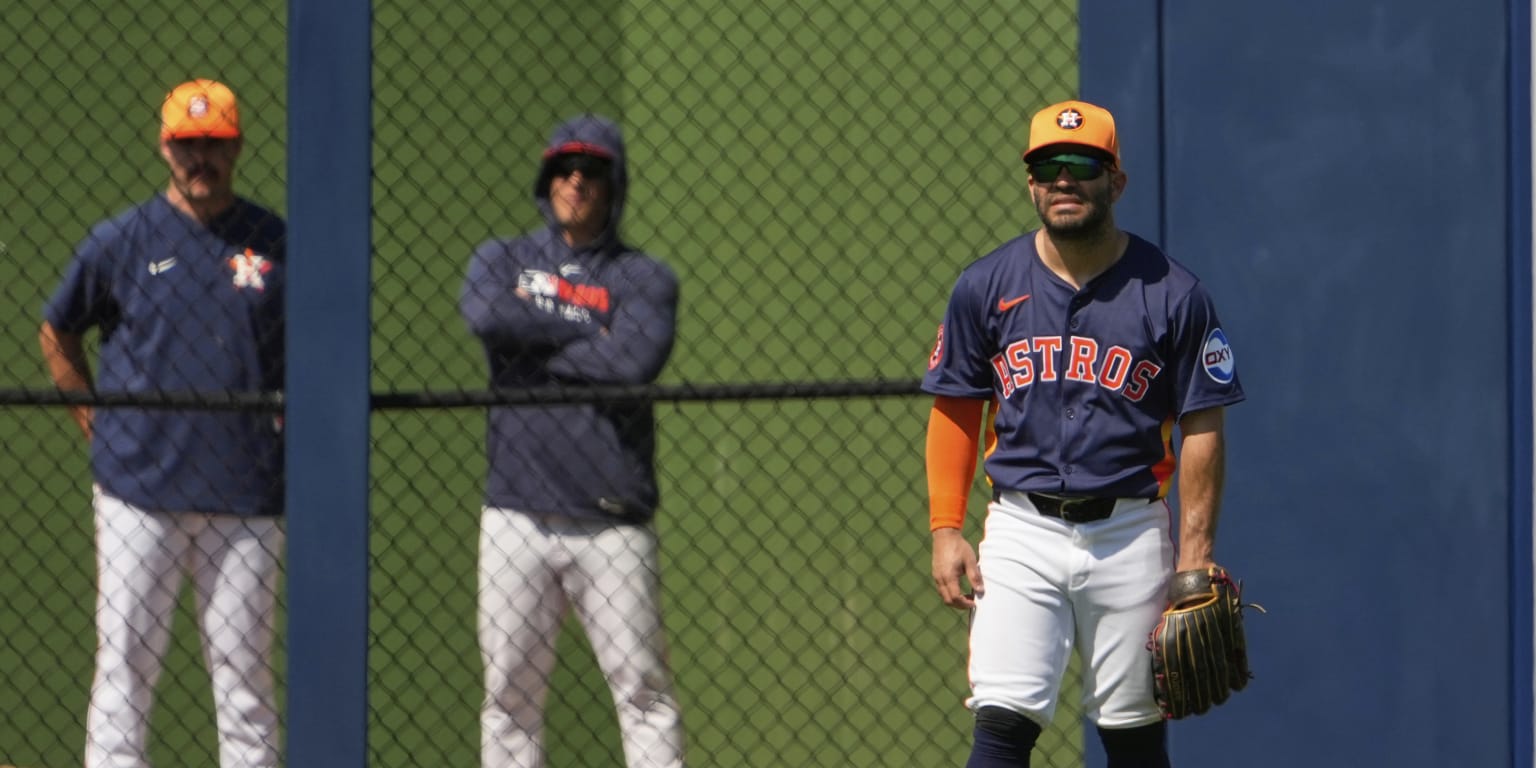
[{"x": 814, "y": 175}]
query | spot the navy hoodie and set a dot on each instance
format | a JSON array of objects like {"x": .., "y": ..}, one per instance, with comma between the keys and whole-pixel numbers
[{"x": 552, "y": 315}]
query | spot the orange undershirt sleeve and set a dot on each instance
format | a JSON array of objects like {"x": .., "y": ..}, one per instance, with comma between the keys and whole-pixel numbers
[{"x": 954, "y": 427}]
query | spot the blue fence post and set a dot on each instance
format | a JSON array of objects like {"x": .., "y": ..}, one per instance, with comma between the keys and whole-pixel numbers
[
  {"x": 329, "y": 139},
  {"x": 1520, "y": 388}
]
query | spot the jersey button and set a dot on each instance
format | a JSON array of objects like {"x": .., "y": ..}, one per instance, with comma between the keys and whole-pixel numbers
[
  {"x": 1074, "y": 323},
  {"x": 1071, "y": 414}
]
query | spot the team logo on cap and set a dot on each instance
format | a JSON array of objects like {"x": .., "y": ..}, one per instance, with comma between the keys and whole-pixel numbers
[
  {"x": 197, "y": 108},
  {"x": 1217, "y": 358},
  {"x": 1069, "y": 120}
]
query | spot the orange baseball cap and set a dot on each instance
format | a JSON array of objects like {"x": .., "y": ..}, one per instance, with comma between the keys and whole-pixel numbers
[
  {"x": 200, "y": 109},
  {"x": 1073, "y": 122}
]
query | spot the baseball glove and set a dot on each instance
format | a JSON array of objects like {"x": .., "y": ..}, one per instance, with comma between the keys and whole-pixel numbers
[{"x": 1199, "y": 654}]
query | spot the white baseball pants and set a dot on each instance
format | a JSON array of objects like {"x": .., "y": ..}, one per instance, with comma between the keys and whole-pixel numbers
[
  {"x": 1051, "y": 586},
  {"x": 141, "y": 557},
  {"x": 533, "y": 570}
]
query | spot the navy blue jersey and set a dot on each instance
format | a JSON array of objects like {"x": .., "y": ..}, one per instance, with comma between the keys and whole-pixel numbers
[
  {"x": 183, "y": 307},
  {"x": 1088, "y": 383}
]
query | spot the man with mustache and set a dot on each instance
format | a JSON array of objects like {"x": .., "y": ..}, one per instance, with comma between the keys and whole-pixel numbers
[
  {"x": 186, "y": 291},
  {"x": 570, "y": 498},
  {"x": 1091, "y": 346}
]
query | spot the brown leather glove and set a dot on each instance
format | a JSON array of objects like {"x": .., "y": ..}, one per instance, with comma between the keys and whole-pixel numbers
[{"x": 1199, "y": 652}]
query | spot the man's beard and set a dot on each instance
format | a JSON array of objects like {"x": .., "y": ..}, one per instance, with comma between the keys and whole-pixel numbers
[
  {"x": 199, "y": 186},
  {"x": 1091, "y": 226}
]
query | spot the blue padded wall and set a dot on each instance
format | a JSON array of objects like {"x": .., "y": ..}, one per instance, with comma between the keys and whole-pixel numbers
[{"x": 1336, "y": 173}]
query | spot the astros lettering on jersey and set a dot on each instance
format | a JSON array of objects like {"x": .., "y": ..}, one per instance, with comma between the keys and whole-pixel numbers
[{"x": 1087, "y": 389}]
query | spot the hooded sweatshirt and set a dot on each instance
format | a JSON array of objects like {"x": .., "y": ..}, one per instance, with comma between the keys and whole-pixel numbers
[{"x": 549, "y": 314}]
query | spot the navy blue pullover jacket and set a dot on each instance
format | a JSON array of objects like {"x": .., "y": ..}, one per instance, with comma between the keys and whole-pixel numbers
[{"x": 550, "y": 314}]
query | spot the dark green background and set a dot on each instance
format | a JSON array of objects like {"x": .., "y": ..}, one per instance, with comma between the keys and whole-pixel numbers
[{"x": 816, "y": 176}]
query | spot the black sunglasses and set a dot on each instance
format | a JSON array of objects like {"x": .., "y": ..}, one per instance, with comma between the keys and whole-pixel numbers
[
  {"x": 1079, "y": 167},
  {"x": 591, "y": 166}
]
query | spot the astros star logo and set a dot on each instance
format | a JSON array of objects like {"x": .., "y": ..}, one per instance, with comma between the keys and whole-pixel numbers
[
  {"x": 1069, "y": 119},
  {"x": 249, "y": 268},
  {"x": 198, "y": 106}
]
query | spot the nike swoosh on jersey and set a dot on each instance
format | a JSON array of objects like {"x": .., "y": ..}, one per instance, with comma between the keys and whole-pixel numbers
[
  {"x": 156, "y": 267},
  {"x": 1003, "y": 305}
]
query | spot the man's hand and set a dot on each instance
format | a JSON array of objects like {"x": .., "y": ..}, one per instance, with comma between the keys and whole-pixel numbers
[
  {"x": 64, "y": 353},
  {"x": 954, "y": 557}
]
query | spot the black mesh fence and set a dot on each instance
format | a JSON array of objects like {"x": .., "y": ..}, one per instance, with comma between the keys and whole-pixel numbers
[{"x": 813, "y": 176}]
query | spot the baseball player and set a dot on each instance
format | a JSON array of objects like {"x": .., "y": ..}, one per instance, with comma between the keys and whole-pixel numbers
[
  {"x": 1091, "y": 346},
  {"x": 186, "y": 291},
  {"x": 571, "y": 493}
]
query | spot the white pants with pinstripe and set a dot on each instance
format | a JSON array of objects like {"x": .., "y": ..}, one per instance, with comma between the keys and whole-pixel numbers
[
  {"x": 1053, "y": 587},
  {"x": 141, "y": 558},
  {"x": 534, "y": 569}
]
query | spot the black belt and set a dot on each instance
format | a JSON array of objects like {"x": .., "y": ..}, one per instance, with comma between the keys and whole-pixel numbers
[{"x": 1072, "y": 509}]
